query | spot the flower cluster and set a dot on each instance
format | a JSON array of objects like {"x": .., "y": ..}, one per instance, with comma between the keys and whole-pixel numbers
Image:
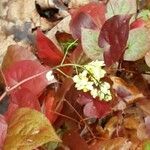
[{"x": 89, "y": 80}]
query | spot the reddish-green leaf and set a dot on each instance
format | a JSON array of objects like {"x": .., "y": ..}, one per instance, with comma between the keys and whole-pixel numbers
[
  {"x": 113, "y": 38},
  {"x": 90, "y": 16},
  {"x": 138, "y": 44},
  {"x": 89, "y": 39},
  {"x": 28, "y": 129}
]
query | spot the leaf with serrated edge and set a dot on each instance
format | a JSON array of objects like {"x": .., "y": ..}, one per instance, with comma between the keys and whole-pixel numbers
[
  {"x": 90, "y": 46},
  {"x": 28, "y": 129},
  {"x": 138, "y": 44}
]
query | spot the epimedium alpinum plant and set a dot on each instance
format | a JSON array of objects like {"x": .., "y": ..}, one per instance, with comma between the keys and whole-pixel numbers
[{"x": 96, "y": 74}]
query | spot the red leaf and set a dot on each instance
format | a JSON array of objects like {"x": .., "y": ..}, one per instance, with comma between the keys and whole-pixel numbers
[
  {"x": 84, "y": 98},
  {"x": 73, "y": 140},
  {"x": 24, "y": 98},
  {"x": 3, "y": 130},
  {"x": 17, "y": 53},
  {"x": 63, "y": 37},
  {"x": 11, "y": 109},
  {"x": 25, "y": 69},
  {"x": 81, "y": 21},
  {"x": 113, "y": 38},
  {"x": 137, "y": 24},
  {"x": 46, "y": 50},
  {"x": 97, "y": 109},
  {"x": 90, "y": 16},
  {"x": 21, "y": 98},
  {"x": 49, "y": 106},
  {"x": 103, "y": 108},
  {"x": 90, "y": 110}
]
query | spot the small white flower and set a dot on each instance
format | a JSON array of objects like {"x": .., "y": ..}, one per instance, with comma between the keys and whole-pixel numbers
[
  {"x": 89, "y": 80},
  {"x": 94, "y": 92},
  {"x": 50, "y": 76}
]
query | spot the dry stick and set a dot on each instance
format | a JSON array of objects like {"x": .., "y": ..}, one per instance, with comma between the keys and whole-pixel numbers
[
  {"x": 80, "y": 118},
  {"x": 65, "y": 116},
  {"x": 8, "y": 89}
]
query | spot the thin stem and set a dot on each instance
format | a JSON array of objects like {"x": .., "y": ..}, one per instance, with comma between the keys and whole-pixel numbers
[
  {"x": 3, "y": 76},
  {"x": 67, "y": 51},
  {"x": 64, "y": 73},
  {"x": 3, "y": 95},
  {"x": 62, "y": 115},
  {"x": 25, "y": 80},
  {"x": 80, "y": 118}
]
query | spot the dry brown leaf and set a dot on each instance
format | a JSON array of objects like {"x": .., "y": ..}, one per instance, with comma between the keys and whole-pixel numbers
[
  {"x": 28, "y": 129},
  {"x": 131, "y": 122},
  {"x": 130, "y": 92},
  {"x": 113, "y": 144}
]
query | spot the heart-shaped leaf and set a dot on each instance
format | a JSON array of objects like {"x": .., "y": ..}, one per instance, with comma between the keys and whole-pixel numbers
[
  {"x": 91, "y": 16},
  {"x": 138, "y": 44},
  {"x": 113, "y": 38},
  {"x": 89, "y": 39},
  {"x": 28, "y": 129},
  {"x": 25, "y": 69}
]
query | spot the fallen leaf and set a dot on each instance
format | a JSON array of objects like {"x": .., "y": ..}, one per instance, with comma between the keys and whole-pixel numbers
[
  {"x": 17, "y": 53},
  {"x": 29, "y": 129},
  {"x": 3, "y": 130},
  {"x": 113, "y": 144},
  {"x": 73, "y": 140},
  {"x": 113, "y": 38},
  {"x": 126, "y": 91},
  {"x": 89, "y": 40}
]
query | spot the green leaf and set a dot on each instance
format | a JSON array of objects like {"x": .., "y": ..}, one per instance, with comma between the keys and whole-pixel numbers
[
  {"x": 120, "y": 7},
  {"x": 138, "y": 44},
  {"x": 89, "y": 39},
  {"x": 144, "y": 14},
  {"x": 28, "y": 129}
]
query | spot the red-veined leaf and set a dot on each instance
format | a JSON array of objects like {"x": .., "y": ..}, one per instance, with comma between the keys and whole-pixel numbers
[
  {"x": 25, "y": 69},
  {"x": 3, "y": 130},
  {"x": 113, "y": 38},
  {"x": 46, "y": 50},
  {"x": 90, "y": 16}
]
